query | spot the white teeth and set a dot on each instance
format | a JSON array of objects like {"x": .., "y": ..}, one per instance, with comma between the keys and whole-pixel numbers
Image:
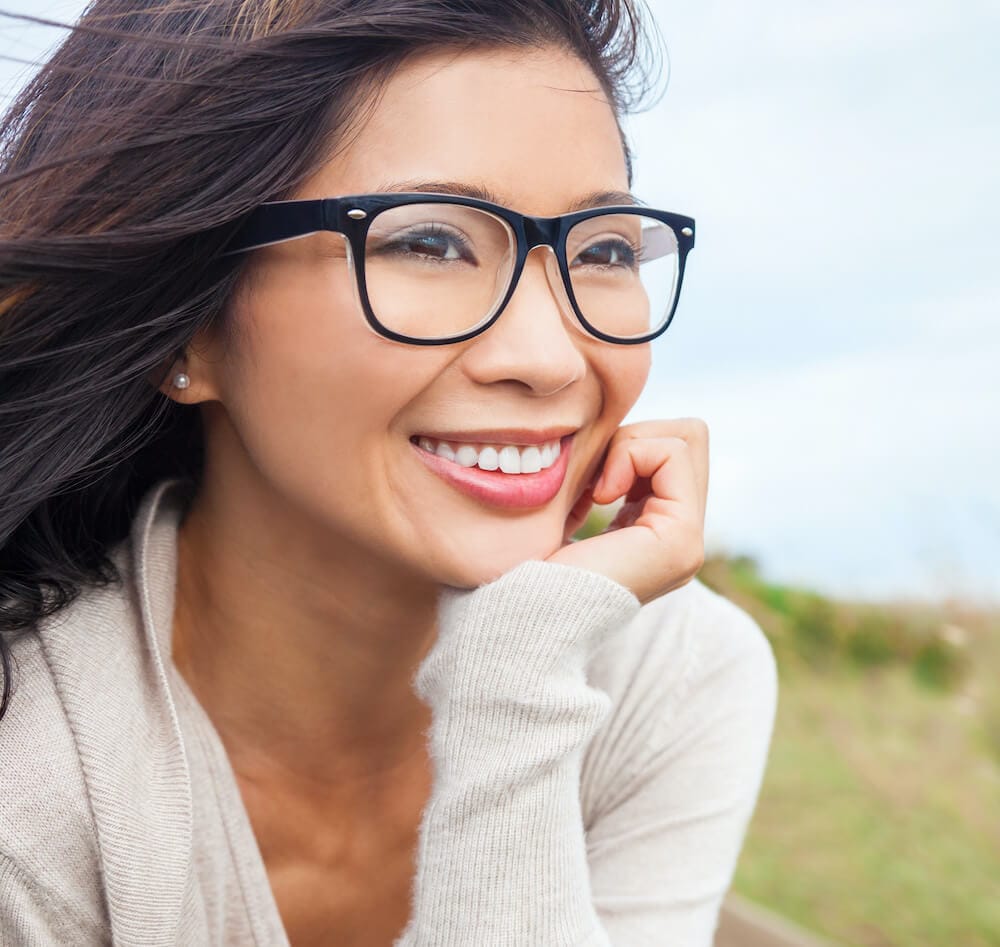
[
  {"x": 508, "y": 458},
  {"x": 489, "y": 459},
  {"x": 531, "y": 460},
  {"x": 467, "y": 456}
]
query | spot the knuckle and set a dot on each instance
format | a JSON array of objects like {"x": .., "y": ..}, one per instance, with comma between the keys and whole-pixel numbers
[
  {"x": 690, "y": 430},
  {"x": 696, "y": 429},
  {"x": 633, "y": 429}
]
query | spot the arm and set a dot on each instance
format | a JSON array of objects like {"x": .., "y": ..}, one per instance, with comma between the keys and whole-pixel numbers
[
  {"x": 502, "y": 856},
  {"x": 666, "y": 839}
]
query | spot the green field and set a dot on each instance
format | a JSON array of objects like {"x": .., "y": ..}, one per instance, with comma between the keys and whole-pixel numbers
[{"x": 879, "y": 819}]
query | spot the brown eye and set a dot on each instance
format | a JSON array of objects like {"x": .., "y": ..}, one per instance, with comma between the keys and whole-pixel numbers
[
  {"x": 608, "y": 253},
  {"x": 430, "y": 242}
]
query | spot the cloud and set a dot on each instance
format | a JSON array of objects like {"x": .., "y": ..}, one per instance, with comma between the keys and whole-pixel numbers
[{"x": 840, "y": 322}]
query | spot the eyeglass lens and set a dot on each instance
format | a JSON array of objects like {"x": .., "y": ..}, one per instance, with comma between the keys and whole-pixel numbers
[{"x": 438, "y": 270}]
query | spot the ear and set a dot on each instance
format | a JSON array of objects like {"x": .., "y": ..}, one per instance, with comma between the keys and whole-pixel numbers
[{"x": 202, "y": 362}]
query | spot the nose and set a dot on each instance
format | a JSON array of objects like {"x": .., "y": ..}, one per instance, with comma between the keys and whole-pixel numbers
[{"x": 536, "y": 341}]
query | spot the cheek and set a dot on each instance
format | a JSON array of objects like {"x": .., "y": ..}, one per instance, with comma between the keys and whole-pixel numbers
[
  {"x": 315, "y": 394},
  {"x": 623, "y": 371}
]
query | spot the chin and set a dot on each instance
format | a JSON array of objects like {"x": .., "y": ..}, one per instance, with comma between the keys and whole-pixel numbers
[{"x": 475, "y": 566}]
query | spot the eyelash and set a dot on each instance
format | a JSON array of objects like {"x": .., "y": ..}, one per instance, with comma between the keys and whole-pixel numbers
[
  {"x": 429, "y": 230},
  {"x": 633, "y": 250}
]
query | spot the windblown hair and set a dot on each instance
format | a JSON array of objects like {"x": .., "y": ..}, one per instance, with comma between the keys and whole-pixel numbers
[{"x": 126, "y": 163}]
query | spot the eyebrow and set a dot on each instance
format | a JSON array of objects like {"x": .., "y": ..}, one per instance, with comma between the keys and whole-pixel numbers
[{"x": 483, "y": 193}]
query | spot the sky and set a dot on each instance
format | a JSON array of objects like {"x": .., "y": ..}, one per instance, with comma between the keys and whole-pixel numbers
[{"x": 839, "y": 325}]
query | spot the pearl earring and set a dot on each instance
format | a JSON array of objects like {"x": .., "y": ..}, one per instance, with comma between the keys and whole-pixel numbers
[{"x": 181, "y": 380}]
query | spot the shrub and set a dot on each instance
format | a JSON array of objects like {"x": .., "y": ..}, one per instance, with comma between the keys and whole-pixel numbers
[
  {"x": 814, "y": 628},
  {"x": 939, "y": 665},
  {"x": 870, "y": 642}
]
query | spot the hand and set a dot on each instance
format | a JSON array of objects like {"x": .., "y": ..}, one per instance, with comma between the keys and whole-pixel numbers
[{"x": 656, "y": 542}]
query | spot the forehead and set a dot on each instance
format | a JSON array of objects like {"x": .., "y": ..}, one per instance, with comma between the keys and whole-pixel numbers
[{"x": 532, "y": 126}]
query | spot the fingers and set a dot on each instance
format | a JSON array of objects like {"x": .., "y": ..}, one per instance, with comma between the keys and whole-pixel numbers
[
  {"x": 664, "y": 473},
  {"x": 661, "y": 468},
  {"x": 638, "y": 451}
]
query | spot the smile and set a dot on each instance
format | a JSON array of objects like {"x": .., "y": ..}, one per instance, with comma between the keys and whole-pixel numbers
[
  {"x": 503, "y": 475},
  {"x": 509, "y": 458}
]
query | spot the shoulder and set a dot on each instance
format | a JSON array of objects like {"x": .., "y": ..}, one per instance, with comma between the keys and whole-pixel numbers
[
  {"x": 687, "y": 640},
  {"x": 670, "y": 784},
  {"x": 691, "y": 669},
  {"x": 48, "y": 843},
  {"x": 92, "y": 754},
  {"x": 722, "y": 641}
]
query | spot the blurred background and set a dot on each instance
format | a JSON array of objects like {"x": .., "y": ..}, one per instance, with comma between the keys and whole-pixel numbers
[
  {"x": 838, "y": 327},
  {"x": 839, "y": 331}
]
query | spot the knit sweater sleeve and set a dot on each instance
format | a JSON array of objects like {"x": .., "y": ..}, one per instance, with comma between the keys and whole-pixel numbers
[
  {"x": 34, "y": 913},
  {"x": 501, "y": 853}
]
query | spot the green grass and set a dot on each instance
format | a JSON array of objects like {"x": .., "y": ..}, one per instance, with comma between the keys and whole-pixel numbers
[
  {"x": 878, "y": 823},
  {"x": 879, "y": 819}
]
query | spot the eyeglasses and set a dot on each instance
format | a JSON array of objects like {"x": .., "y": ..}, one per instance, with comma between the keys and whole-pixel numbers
[{"x": 433, "y": 269}]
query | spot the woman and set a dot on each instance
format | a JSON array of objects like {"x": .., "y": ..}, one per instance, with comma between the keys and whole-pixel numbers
[{"x": 319, "y": 324}]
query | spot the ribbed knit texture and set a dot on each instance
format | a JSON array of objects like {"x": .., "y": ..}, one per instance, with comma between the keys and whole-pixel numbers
[
  {"x": 512, "y": 713},
  {"x": 595, "y": 766}
]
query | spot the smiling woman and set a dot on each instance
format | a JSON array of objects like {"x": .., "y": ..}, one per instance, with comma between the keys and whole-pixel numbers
[{"x": 318, "y": 325}]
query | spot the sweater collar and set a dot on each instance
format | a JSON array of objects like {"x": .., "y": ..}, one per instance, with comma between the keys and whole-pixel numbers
[{"x": 107, "y": 665}]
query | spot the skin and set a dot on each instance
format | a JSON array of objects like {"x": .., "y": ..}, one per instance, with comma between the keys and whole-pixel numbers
[{"x": 311, "y": 560}]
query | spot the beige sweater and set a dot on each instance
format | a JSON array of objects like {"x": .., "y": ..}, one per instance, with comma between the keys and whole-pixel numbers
[{"x": 596, "y": 764}]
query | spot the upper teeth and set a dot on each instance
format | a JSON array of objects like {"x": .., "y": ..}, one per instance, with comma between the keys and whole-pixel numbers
[{"x": 509, "y": 458}]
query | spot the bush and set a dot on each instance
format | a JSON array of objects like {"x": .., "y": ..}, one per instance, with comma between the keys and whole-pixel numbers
[
  {"x": 939, "y": 665},
  {"x": 814, "y": 628},
  {"x": 870, "y": 642},
  {"x": 777, "y": 597}
]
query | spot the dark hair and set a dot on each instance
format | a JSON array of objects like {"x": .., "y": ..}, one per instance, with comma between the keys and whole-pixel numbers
[{"x": 126, "y": 163}]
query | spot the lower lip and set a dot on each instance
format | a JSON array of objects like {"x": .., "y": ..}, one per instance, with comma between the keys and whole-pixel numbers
[{"x": 508, "y": 491}]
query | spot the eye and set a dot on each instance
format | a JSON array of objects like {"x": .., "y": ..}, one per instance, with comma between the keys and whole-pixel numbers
[
  {"x": 611, "y": 252},
  {"x": 427, "y": 242}
]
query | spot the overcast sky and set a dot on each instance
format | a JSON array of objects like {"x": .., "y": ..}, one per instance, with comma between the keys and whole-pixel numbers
[{"x": 840, "y": 322}]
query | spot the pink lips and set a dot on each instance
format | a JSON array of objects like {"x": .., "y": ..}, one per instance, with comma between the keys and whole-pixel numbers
[{"x": 508, "y": 491}]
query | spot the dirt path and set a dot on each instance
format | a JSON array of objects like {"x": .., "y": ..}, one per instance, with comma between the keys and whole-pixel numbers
[{"x": 744, "y": 924}]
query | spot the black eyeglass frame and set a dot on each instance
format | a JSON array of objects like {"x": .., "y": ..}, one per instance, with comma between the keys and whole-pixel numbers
[{"x": 352, "y": 215}]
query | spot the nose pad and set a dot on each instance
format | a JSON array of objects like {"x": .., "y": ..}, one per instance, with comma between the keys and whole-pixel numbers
[{"x": 558, "y": 287}]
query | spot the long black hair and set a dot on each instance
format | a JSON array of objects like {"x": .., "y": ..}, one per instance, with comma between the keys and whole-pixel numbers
[{"x": 126, "y": 163}]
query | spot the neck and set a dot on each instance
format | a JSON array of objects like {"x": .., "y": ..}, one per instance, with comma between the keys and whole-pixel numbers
[{"x": 301, "y": 650}]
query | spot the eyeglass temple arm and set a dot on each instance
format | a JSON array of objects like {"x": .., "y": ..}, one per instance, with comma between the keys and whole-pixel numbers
[
  {"x": 657, "y": 242},
  {"x": 280, "y": 220}
]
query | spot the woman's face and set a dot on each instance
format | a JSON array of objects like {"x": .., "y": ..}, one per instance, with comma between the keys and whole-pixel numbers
[{"x": 326, "y": 413}]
